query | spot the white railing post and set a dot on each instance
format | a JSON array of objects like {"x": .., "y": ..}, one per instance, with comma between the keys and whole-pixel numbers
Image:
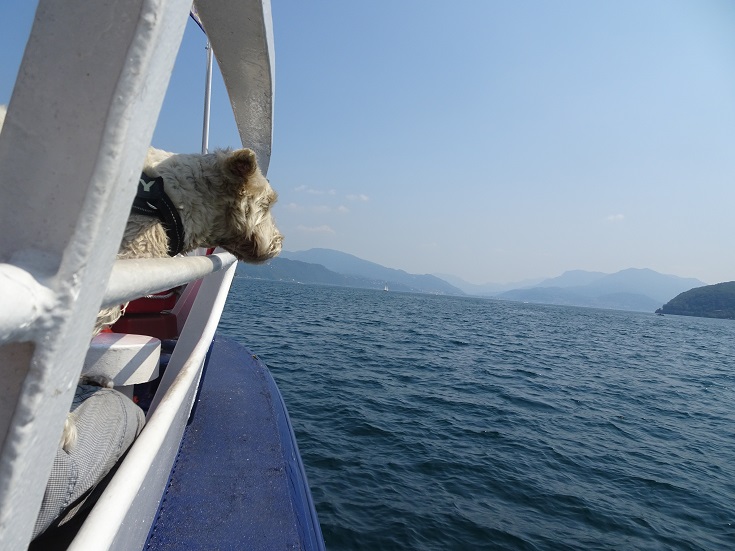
[{"x": 82, "y": 114}]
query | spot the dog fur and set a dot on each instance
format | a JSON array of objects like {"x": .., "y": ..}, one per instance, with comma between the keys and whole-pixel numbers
[{"x": 223, "y": 200}]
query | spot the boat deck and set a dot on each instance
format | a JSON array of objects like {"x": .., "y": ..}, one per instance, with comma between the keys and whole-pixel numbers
[{"x": 238, "y": 481}]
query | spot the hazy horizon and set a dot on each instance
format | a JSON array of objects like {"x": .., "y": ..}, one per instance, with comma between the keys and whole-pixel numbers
[
  {"x": 496, "y": 141},
  {"x": 499, "y": 283}
]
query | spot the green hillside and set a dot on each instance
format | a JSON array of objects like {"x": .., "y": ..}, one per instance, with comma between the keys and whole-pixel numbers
[{"x": 710, "y": 301}]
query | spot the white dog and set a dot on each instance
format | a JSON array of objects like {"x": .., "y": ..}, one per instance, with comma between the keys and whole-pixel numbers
[
  {"x": 223, "y": 200},
  {"x": 218, "y": 199}
]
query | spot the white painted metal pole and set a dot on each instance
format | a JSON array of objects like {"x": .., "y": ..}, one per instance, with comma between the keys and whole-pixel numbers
[
  {"x": 207, "y": 100},
  {"x": 132, "y": 278},
  {"x": 250, "y": 84},
  {"x": 23, "y": 299}
]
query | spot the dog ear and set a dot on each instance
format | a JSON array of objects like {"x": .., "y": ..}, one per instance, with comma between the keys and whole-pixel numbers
[{"x": 242, "y": 164}]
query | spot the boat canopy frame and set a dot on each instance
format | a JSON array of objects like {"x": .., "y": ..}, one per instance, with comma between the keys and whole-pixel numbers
[{"x": 83, "y": 111}]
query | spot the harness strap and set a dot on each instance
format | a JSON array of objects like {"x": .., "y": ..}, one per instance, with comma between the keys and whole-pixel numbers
[{"x": 151, "y": 200}]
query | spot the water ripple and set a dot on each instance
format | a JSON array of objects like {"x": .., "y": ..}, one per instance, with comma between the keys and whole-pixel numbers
[{"x": 439, "y": 423}]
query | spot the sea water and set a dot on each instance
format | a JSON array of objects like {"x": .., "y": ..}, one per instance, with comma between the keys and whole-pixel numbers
[{"x": 435, "y": 423}]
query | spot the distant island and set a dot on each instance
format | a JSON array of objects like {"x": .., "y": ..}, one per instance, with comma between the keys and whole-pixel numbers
[{"x": 710, "y": 301}]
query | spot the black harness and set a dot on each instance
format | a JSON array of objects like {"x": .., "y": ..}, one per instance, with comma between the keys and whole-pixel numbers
[{"x": 151, "y": 200}]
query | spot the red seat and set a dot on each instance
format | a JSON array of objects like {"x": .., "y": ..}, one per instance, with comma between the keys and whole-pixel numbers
[
  {"x": 155, "y": 303},
  {"x": 161, "y": 326}
]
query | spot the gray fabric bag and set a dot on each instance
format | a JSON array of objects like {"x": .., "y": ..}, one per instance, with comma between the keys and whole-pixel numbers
[{"x": 107, "y": 423}]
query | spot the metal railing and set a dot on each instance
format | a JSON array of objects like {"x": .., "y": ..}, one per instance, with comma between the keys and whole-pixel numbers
[{"x": 131, "y": 279}]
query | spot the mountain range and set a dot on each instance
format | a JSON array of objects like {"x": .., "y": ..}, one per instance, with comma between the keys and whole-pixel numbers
[
  {"x": 631, "y": 289},
  {"x": 487, "y": 289},
  {"x": 330, "y": 267}
]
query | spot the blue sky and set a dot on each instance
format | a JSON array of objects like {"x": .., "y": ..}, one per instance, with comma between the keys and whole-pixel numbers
[{"x": 496, "y": 141}]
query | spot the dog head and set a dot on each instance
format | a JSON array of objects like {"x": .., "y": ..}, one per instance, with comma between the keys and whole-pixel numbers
[
  {"x": 250, "y": 231},
  {"x": 223, "y": 200}
]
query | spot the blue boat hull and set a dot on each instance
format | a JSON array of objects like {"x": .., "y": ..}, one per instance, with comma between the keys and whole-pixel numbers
[{"x": 238, "y": 481}]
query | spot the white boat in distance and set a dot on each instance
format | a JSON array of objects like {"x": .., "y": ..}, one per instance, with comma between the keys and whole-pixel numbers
[{"x": 87, "y": 96}]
